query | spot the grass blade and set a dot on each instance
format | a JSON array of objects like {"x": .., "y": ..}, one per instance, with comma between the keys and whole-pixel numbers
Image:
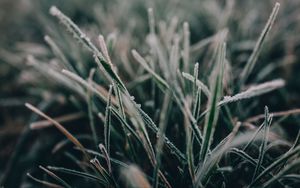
[
  {"x": 106, "y": 156},
  {"x": 189, "y": 146},
  {"x": 78, "y": 34},
  {"x": 196, "y": 74},
  {"x": 199, "y": 84},
  {"x": 254, "y": 91},
  {"x": 90, "y": 108},
  {"x": 160, "y": 81},
  {"x": 57, "y": 125},
  {"x": 169, "y": 144},
  {"x": 275, "y": 164},
  {"x": 112, "y": 160},
  {"x": 77, "y": 173},
  {"x": 259, "y": 44},
  {"x": 65, "y": 184},
  {"x": 294, "y": 165},
  {"x": 245, "y": 156},
  {"x": 267, "y": 122},
  {"x": 107, "y": 123},
  {"x": 123, "y": 121},
  {"x": 83, "y": 82},
  {"x": 61, "y": 119},
  {"x": 161, "y": 135},
  {"x": 212, "y": 115},
  {"x": 58, "y": 53},
  {"x": 197, "y": 104},
  {"x": 186, "y": 46},
  {"x": 45, "y": 183}
]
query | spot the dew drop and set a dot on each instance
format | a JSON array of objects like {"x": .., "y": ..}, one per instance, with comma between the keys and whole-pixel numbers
[{"x": 82, "y": 36}]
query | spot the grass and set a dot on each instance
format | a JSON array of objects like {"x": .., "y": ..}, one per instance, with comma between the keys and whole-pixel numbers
[{"x": 175, "y": 112}]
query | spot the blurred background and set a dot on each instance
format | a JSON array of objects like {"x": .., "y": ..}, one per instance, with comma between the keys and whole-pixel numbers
[{"x": 24, "y": 23}]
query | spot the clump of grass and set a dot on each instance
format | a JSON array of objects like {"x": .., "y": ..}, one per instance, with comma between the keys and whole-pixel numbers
[{"x": 174, "y": 127}]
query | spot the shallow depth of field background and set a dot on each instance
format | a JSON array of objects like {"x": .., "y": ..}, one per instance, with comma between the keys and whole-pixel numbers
[{"x": 24, "y": 23}]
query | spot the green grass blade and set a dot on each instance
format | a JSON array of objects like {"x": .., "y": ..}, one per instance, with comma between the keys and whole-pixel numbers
[{"x": 212, "y": 116}]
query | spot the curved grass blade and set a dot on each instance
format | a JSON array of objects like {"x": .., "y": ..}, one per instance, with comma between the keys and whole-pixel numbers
[
  {"x": 61, "y": 119},
  {"x": 78, "y": 173},
  {"x": 45, "y": 183},
  {"x": 58, "y": 126},
  {"x": 65, "y": 184},
  {"x": 106, "y": 155}
]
